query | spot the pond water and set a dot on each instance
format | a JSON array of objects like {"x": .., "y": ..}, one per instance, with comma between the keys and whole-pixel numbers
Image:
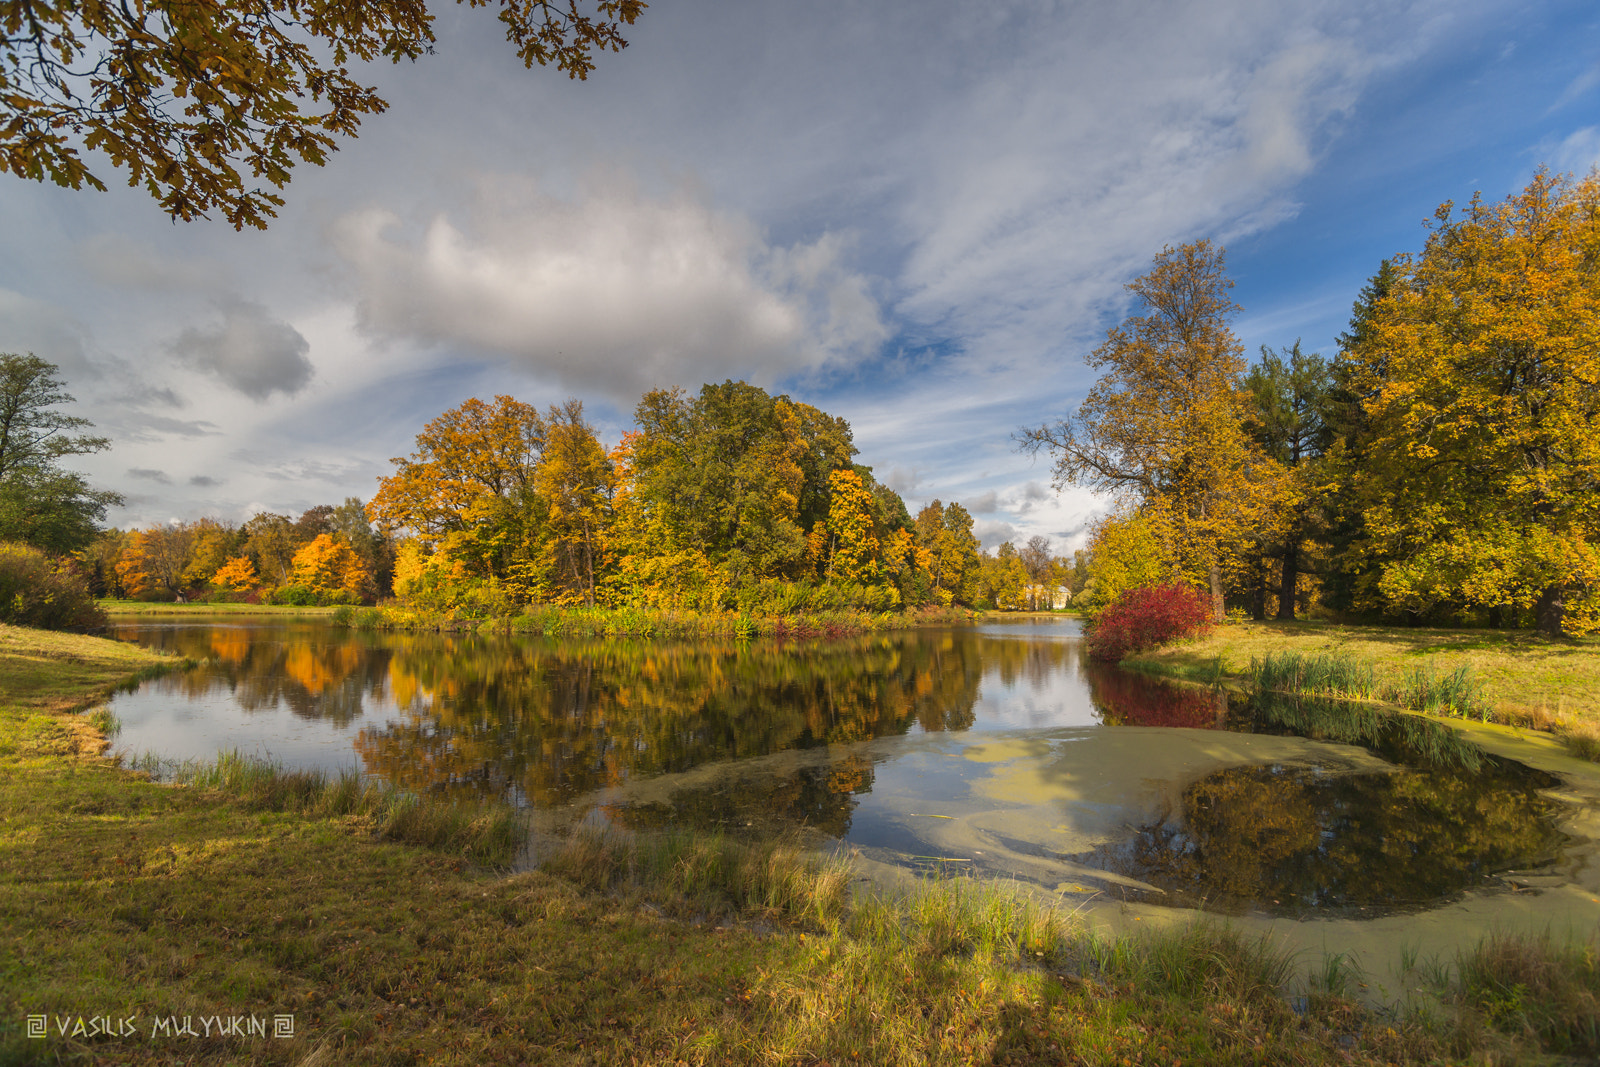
[{"x": 997, "y": 748}]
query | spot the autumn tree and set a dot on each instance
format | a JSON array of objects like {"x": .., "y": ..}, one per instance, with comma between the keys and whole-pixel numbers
[
  {"x": 1478, "y": 374},
  {"x": 215, "y": 542},
  {"x": 470, "y": 487},
  {"x": 576, "y": 479},
  {"x": 723, "y": 472},
  {"x": 209, "y": 105},
  {"x": 1163, "y": 424},
  {"x": 945, "y": 533},
  {"x": 329, "y": 570},
  {"x": 1126, "y": 551},
  {"x": 41, "y": 504},
  {"x": 156, "y": 559},
  {"x": 270, "y": 544},
  {"x": 853, "y": 546},
  {"x": 237, "y": 575}
]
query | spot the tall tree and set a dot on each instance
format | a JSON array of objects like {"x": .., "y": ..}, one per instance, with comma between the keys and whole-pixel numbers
[
  {"x": 1480, "y": 379},
  {"x": 205, "y": 103},
  {"x": 723, "y": 473},
  {"x": 577, "y": 481},
  {"x": 40, "y": 503},
  {"x": 1164, "y": 421},
  {"x": 469, "y": 452},
  {"x": 1289, "y": 423}
]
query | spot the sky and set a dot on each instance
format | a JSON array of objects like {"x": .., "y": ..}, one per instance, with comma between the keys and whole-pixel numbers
[{"x": 916, "y": 214}]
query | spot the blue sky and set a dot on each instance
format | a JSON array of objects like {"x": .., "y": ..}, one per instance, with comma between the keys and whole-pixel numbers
[{"x": 916, "y": 215}]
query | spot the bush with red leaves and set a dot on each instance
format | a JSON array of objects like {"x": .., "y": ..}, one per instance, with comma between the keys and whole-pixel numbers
[{"x": 1146, "y": 617}]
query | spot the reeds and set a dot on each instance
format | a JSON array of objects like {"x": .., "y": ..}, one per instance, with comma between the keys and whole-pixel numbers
[
  {"x": 1330, "y": 674},
  {"x": 492, "y": 834},
  {"x": 1455, "y": 693}
]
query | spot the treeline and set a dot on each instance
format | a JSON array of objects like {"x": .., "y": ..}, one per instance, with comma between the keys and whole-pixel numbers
[
  {"x": 1443, "y": 468},
  {"x": 329, "y": 555},
  {"x": 730, "y": 500}
]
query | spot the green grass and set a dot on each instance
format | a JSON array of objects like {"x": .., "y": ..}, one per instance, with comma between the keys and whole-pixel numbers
[
  {"x": 552, "y": 621},
  {"x": 250, "y": 889},
  {"x": 1516, "y": 677}
]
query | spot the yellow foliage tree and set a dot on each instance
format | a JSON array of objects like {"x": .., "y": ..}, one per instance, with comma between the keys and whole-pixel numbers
[
  {"x": 330, "y": 569},
  {"x": 1480, "y": 368},
  {"x": 854, "y": 549},
  {"x": 236, "y": 575}
]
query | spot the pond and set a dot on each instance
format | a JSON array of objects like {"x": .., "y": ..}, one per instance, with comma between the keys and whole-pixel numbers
[{"x": 996, "y": 748}]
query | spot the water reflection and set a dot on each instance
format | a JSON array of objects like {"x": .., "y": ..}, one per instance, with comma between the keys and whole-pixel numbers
[
  {"x": 931, "y": 741},
  {"x": 1293, "y": 838}
]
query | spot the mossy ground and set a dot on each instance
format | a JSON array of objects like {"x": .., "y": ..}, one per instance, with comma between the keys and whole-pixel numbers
[{"x": 120, "y": 897}]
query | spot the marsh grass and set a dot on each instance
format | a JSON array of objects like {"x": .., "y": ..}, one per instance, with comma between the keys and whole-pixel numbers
[
  {"x": 1331, "y": 673},
  {"x": 489, "y": 834},
  {"x": 1449, "y": 693},
  {"x": 1536, "y": 989}
]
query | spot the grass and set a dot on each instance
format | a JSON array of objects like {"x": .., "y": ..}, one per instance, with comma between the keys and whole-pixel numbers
[
  {"x": 250, "y": 889},
  {"x": 145, "y": 607},
  {"x": 1518, "y": 677},
  {"x": 554, "y": 621}
]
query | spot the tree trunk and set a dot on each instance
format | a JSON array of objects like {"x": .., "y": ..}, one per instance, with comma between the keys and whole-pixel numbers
[
  {"x": 1258, "y": 589},
  {"x": 1550, "y": 611},
  {"x": 1218, "y": 611},
  {"x": 1289, "y": 583}
]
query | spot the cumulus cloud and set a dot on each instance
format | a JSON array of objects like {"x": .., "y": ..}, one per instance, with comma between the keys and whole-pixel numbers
[
  {"x": 149, "y": 474},
  {"x": 250, "y": 351},
  {"x": 615, "y": 290},
  {"x": 203, "y": 481}
]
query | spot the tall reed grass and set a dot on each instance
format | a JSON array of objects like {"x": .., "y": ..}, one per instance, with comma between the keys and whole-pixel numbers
[
  {"x": 1455, "y": 693},
  {"x": 492, "y": 834},
  {"x": 1332, "y": 674}
]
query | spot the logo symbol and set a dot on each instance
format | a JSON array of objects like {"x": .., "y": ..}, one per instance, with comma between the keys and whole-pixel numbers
[
  {"x": 37, "y": 1026},
  {"x": 283, "y": 1026}
]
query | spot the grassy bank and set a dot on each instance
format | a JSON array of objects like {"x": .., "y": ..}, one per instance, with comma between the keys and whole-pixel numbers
[
  {"x": 1519, "y": 676},
  {"x": 144, "y": 607},
  {"x": 644, "y": 622},
  {"x": 253, "y": 891}
]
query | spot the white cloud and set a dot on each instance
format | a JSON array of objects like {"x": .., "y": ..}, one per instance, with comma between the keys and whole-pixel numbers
[
  {"x": 615, "y": 290},
  {"x": 1578, "y": 152}
]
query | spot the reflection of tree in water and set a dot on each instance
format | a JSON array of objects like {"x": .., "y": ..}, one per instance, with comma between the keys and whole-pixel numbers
[
  {"x": 819, "y": 798},
  {"x": 555, "y": 720},
  {"x": 315, "y": 673},
  {"x": 1293, "y": 838},
  {"x": 1038, "y": 662},
  {"x": 1124, "y": 698}
]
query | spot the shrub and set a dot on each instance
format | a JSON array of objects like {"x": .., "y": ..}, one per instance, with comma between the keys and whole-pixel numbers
[
  {"x": 39, "y": 590},
  {"x": 1148, "y": 616}
]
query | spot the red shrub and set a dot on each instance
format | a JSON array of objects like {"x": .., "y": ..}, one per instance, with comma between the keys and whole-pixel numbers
[{"x": 1146, "y": 617}]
